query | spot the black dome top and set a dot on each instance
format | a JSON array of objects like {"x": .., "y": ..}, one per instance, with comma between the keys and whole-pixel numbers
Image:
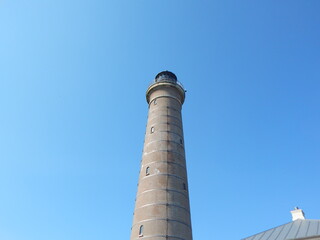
[{"x": 166, "y": 75}]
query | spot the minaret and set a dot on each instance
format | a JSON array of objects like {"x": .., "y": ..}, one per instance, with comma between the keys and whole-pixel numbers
[{"x": 162, "y": 210}]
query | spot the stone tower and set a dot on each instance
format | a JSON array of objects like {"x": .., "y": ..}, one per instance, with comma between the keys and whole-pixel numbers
[{"x": 162, "y": 210}]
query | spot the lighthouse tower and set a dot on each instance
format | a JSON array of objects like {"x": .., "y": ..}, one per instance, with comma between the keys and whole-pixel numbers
[{"x": 162, "y": 210}]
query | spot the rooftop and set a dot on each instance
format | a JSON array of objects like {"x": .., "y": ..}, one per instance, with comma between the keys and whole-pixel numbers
[{"x": 298, "y": 229}]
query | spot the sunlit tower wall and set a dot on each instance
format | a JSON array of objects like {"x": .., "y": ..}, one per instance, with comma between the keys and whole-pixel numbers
[{"x": 162, "y": 210}]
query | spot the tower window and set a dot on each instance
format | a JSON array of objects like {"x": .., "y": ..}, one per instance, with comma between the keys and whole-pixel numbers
[
  {"x": 141, "y": 231},
  {"x": 181, "y": 141},
  {"x": 152, "y": 129},
  {"x": 147, "y": 171},
  {"x": 155, "y": 102},
  {"x": 184, "y": 186}
]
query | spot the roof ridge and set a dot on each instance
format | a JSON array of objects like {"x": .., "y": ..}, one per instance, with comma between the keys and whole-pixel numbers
[
  {"x": 269, "y": 229},
  {"x": 289, "y": 226}
]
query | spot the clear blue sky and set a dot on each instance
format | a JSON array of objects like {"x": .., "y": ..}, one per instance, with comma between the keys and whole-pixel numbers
[{"x": 73, "y": 76}]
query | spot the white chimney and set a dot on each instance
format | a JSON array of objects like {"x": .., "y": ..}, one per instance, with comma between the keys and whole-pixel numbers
[{"x": 297, "y": 214}]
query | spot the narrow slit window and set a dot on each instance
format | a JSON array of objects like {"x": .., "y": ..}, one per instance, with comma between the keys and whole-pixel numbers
[
  {"x": 141, "y": 231},
  {"x": 152, "y": 130},
  {"x": 147, "y": 171},
  {"x": 184, "y": 186},
  {"x": 181, "y": 141},
  {"x": 155, "y": 102}
]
